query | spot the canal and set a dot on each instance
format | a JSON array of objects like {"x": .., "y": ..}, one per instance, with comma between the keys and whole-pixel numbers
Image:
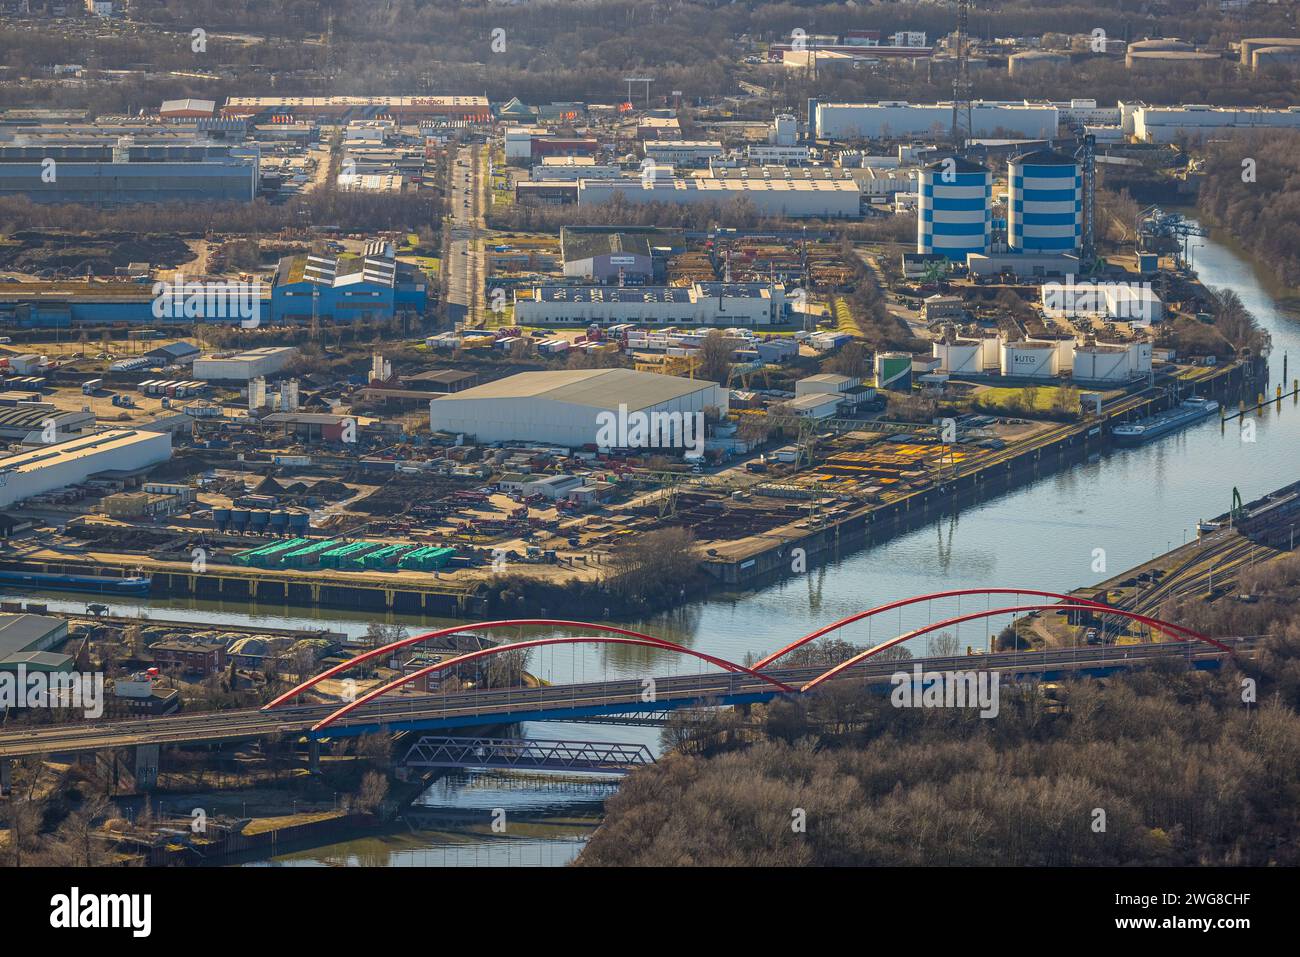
[{"x": 1130, "y": 503}]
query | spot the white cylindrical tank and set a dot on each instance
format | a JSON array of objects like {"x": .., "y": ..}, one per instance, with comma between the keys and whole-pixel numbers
[
  {"x": 1283, "y": 56},
  {"x": 1101, "y": 363},
  {"x": 1139, "y": 354},
  {"x": 1019, "y": 64},
  {"x": 1064, "y": 352},
  {"x": 960, "y": 357},
  {"x": 1035, "y": 360},
  {"x": 1251, "y": 45},
  {"x": 990, "y": 352}
]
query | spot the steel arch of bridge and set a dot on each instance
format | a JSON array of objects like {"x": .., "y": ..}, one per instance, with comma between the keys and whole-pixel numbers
[
  {"x": 988, "y": 613},
  {"x": 480, "y": 626},
  {"x": 627, "y": 636},
  {"x": 535, "y": 643},
  {"x": 1166, "y": 627}
]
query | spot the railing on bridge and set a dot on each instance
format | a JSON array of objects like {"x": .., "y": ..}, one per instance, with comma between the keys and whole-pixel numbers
[{"x": 601, "y": 757}]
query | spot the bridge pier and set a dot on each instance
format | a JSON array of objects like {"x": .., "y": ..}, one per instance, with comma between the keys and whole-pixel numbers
[
  {"x": 146, "y": 766},
  {"x": 6, "y": 776},
  {"x": 313, "y": 756}
]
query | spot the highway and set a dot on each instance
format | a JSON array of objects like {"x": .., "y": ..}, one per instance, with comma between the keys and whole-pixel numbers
[
  {"x": 465, "y": 271},
  {"x": 556, "y": 702}
]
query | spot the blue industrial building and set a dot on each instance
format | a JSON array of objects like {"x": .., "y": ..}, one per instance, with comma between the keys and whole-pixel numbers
[
  {"x": 954, "y": 209},
  {"x": 372, "y": 286},
  {"x": 111, "y": 167},
  {"x": 1045, "y": 203}
]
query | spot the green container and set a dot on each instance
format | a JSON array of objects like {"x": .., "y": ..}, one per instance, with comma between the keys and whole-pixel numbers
[
  {"x": 308, "y": 555},
  {"x": 264, "y": 555},
  {"x": 386, "y": 557},
  {"x": 341, "y": 556}
]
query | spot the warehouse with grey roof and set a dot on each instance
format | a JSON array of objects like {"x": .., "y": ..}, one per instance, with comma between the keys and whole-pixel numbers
[{"x": 570, "y": 407}]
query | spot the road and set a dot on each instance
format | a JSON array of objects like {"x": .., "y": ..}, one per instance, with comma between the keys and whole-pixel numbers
[
  {"x": 556, "y": 702},
  {"x": 467, "y": 269}
]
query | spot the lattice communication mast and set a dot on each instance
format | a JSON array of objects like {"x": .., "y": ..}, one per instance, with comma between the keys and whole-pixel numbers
[
  {"x": 961, "y": 109},
  {"x": 1088, "y": 158}
]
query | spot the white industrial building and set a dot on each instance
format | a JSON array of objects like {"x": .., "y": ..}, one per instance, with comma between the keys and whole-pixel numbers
[
  {"x": 518, "y": 141},
  {"x": 768, "y": 154},
  {"x": 683, "y": 152},
  {"x": 893, "y": 118},
  {"x": 794, "y": 197},
  {"x": 814, "y": 405},
  {"x": 577, "y": 407},
  {"x": 702, "y": 303},
  {"x": 244, "y": 366},
  {"x": 1133, "y": 302},
  {"x": 1086, "y": 113},
  {"x": 61, "y": 464},
  {"x": 879, "y": 183},
  {"x": 826, "y": 383},
  {"x": 1164, "y": 124},
  {"x": 570, "y": 168},
  {"x": 784, "y": 130}
]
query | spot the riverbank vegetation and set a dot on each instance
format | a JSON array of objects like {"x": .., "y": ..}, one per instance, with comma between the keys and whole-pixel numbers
[
  {"x": 643, "y": 572},
  {"x": 1251, "y": 188},
  {"x": 1163, "y": 766}
]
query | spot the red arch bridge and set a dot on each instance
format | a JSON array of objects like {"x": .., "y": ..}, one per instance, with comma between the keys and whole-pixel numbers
[{"x": 634, "y": 700}]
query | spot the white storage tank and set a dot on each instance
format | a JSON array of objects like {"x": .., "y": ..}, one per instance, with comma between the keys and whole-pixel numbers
[
  {"x": 1037, "y": 360},
  {"x": 960, "y": 357},
  {"x": 1102, "y": 363},
  {"x": 1027, "y": 61},
  {"x": 990, "y": 352},
  {"x": 1064, "y": 352},
  {"x": 1140, "y": 358}
]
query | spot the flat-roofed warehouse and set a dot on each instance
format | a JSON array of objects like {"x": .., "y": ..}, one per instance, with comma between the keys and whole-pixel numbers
[
  {"x": 702, "y": 303},
  {"x": 243, "y": 366},
  {"x": 56, "y": 466},
  {"x": 403, "y": 109},
  {"x": 28, "y": 422},
  {"x": 607, "y": 255},
  {"x": 564, "y": 408},
  {"x": 109, "y": 165},
  {"x": 793, "y": 198}
]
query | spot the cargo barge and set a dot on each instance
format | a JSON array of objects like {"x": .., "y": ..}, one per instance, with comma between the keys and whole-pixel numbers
[
  {"x": 94, "y": 584},
  {"x": 1162, "y": 423}
]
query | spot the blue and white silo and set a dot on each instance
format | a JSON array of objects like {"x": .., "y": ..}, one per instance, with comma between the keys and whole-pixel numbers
[
  {"x": 954, "y": 209},
  {"x": 1045, "y": 203}
]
